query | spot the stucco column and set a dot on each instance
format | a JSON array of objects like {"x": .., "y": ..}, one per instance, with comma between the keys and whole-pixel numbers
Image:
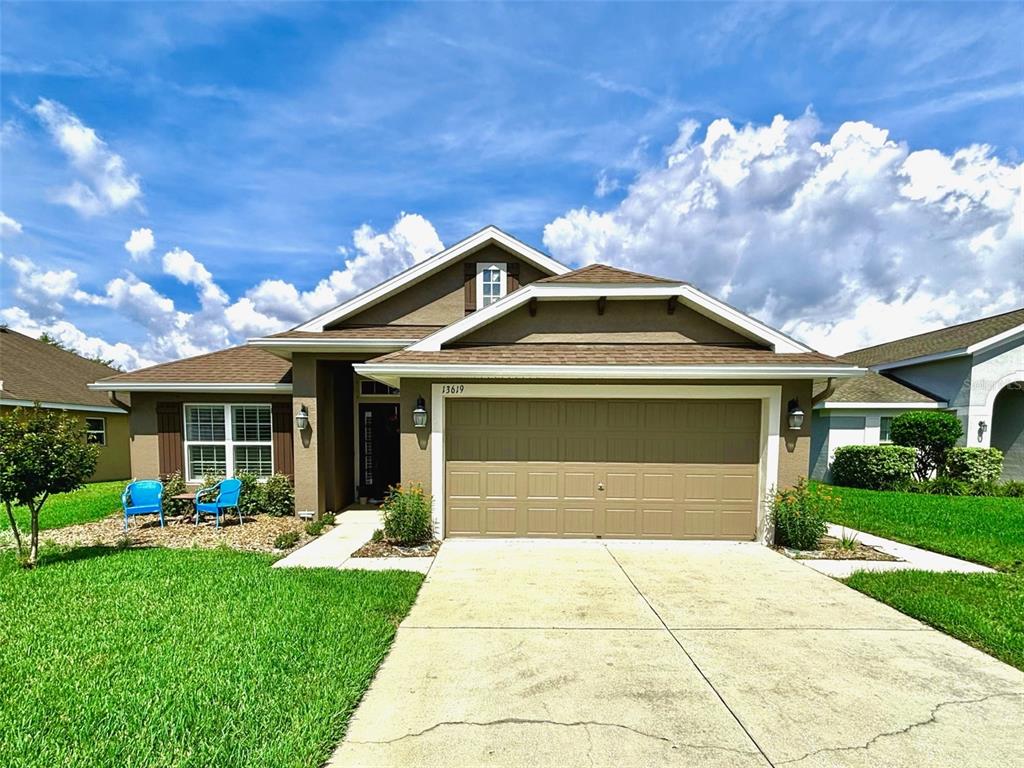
[{"x": 307, "y": 481}]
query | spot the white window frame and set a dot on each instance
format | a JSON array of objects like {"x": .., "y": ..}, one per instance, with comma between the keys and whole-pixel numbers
[
  {"x": 882, "y": 440},
  {"x": 229, "y": 441},
  {"x": 502, "y": 267},
  {"x": 102, "y": 431}
]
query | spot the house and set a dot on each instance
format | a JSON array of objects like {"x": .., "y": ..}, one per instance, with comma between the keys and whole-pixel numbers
[
  {"x": 33, "y": 371},
  {"x": 528, "y": 399},
  {"x": 974, "y": 369}
]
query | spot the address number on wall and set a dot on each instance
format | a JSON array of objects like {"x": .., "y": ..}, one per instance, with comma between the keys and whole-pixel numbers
[{"x": 453, "y": 389}]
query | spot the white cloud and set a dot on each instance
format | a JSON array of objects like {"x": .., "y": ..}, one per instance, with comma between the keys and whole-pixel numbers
[
  {"x": 183, "y": 265},
  {"x": 43, "y": 291},
  {"x": 844, "y": 241},
  {"x": 140, "y": 244},
  {"x": 9, "y": 226},
  {"x": 105, "y": 183}
]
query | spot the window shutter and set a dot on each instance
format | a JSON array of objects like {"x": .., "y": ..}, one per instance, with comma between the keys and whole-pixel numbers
[
  {"x": 284, "y": 456},
  {"x": 469, "y": 271},
  {"x": 169, "y": 427},
  {"x": 512, "y": 272}
]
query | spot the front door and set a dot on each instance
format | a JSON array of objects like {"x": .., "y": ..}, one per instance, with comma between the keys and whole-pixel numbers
[{"x": 379, "y": 466}]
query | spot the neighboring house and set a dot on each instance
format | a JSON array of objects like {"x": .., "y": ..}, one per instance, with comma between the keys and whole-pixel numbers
[
  {"x": 974, "y": 369},
  {"x": 528, "y": 399},
  {"x": 33, "y": 371}
]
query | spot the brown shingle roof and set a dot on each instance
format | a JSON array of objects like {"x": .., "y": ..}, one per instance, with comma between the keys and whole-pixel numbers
[
  {"x": 935, "y": 342},
  {"x": 235, "y": 365},
  {"x": 607, "y": 354},
  {"x": 372, "y": 332},
  {"x": 875, "y": 388},
  {"x": 602, "y": 273},
  {"x": 34, "y": 370}
]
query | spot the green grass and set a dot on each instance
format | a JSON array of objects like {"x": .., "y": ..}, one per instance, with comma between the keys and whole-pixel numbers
[
  {"x": 160, "y": 657},
  {"x": 984, "y": 610},
  {"x": 93, "y": 502},
  {"x": 986, "y": 530}
]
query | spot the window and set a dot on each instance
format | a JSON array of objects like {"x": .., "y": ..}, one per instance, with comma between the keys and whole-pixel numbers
[
  {"x": 490, "y": 282},
  {"x": 367, "y": 387},
  {"x": 884, "y": 425},
  {"x": 228, "y": 439},
  {"x": 96, "y": 430}
]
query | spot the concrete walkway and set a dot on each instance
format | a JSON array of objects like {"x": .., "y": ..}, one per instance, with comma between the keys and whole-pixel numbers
[
  {"x": 909, "y": 558},
  {"x": 333, "y": 549},
  {"x": 584, "y": 653}
]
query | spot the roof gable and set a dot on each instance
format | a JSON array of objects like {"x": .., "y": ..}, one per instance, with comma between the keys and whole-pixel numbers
[
  {"x": 605, "y": 274},
  {"x": 417, "y": 272}
]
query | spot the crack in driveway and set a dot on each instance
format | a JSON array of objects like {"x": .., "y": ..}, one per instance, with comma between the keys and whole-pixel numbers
[
  {"x": 932, "y": 718},
  {"x": 585, "y": 724}
]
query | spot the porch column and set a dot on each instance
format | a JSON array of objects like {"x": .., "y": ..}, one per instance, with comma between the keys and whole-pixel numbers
[{"x": 304, "y": 390}]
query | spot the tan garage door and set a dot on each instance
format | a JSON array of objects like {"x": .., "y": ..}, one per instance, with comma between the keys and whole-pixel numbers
[{"x": 672, "y": 469}]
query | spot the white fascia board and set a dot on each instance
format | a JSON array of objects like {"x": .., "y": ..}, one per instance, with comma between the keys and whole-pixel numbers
[
  {"x": 878, "y": 406},
  {"x": 428, "y": 266},
  {"x": 285, "y": 347},
  {"x": 740, "y": 321},
  {"x": 170, "y": 386},
  {"x": 993, "y": 341},
  {"x": 63, "y": 406}
]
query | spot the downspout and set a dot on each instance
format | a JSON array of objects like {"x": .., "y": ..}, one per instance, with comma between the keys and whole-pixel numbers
[
  {"x": 113, "y": 399},
  {"x": 830, "y": 387}
]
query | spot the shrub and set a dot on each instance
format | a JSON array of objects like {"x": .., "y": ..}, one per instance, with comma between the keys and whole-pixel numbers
[
  {"x": 252, "y": 498},
  {"x": 278, "y": 496},
  {"x": 800, "y": 514},
  {"x": 315, "y": 527},
  {"x": 327, "y": 518},
  {"x": 173, "y": 485},
  {"x": 378, "y": 536},
  {"x": 1013, "y": 488},
  {"x": 406, "y": 516},
  {"x": 945, "y": 486},
  {"x": 975, "y": 465},
  {"x": 286, "y": 540},
  {"x": 877, "y": 467},
  {"x": 932, "y": 433}
]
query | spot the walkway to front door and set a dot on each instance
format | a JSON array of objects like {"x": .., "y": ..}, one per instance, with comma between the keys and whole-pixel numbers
[{"x": 567, "y": 653}]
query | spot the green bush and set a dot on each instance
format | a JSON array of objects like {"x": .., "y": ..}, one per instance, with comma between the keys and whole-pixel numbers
[
  {"x": 251, "y": 498},
  {"x": 378, "y": 536},
  {"x": 315, "y": 527},
  {"x": 932, "y": 433},
  {"x": 1014, "y": 488},
  {"x": 975, "y": 465},
  {"x": 173, "y": 485},
  {"x": 327, "y": 518},
  {"x": 876, "y": 467},
  {"x": 286, "y": 540},
  {"x": 406, "y": 516},
  {"x": 278, "y": 496},
  {"x": 800, "y": 515}
]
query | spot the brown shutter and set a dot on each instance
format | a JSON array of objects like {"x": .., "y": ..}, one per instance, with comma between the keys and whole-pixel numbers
[
  {"x": 469, "y": 272},
  {"x": 512, "y": 279},
  {"x": 169, "y": 425},
  {"x": 284, "y": 450}
]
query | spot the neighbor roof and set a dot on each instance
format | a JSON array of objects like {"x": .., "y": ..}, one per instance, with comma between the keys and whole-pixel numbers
[
  {"x": 32, "y": 370},
  {"x": 235, "y": 365},
  {"x": 873, "y": 387},
  {"x": 602, "y": 273},
  {"x": 952, "y": 339}
]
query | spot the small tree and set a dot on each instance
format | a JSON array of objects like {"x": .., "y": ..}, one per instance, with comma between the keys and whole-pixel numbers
[
  {"x": 42, "y": 452},
  {"x": 932, "y": 433}
]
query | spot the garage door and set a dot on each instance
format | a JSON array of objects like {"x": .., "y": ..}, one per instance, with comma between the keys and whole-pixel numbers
[{"x": 670, "y": 469}]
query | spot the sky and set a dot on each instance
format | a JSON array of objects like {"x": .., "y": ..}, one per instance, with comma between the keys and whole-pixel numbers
[{"x": 177, "y": 178}]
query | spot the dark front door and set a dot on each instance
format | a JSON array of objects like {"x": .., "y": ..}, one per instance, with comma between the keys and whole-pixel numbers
[{"x": 378, "y": 448}]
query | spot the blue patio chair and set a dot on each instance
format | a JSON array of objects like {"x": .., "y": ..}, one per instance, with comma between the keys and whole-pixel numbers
[
  {"x": 143, "y": 497},
  {"x": 228, "y": 492}
]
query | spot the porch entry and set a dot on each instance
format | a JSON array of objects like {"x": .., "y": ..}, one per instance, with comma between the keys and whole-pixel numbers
[{"x": 379, "y": 451}]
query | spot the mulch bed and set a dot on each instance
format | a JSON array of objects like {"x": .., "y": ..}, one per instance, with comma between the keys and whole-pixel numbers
[
  {"x": 388, "y": 549},
  {"x": 829, "y": 549},
  {"x": 256, "y": 534}
]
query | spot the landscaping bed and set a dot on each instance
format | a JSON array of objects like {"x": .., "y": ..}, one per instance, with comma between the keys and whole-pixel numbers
[
  {"x": 830, "y": 548},
  {"x": 173, "y": 658},
  {"x": 390, "y": 549}
]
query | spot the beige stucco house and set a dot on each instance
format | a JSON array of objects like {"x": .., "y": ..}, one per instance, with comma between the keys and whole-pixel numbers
[
  {"x": 528, "y": 399},
  {"x": 32, "y": 371}
]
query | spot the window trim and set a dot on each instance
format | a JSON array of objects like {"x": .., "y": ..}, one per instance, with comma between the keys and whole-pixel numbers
[
  {"x": 481, "y": 266},
  {"x": 102, "y": 430},
  {"x": 229, "y": 441}
]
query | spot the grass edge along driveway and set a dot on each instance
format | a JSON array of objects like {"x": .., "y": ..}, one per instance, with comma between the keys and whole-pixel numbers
[{"x": 160, "y": 657}]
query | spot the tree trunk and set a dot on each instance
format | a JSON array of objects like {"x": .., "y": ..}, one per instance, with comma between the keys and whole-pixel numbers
[
  {"x": 33, "y": 547},
  {"x": 14, "y": 528}
]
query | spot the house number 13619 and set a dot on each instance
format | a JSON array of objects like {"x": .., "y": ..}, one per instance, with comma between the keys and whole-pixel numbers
[{"x": 453, "y": 389}]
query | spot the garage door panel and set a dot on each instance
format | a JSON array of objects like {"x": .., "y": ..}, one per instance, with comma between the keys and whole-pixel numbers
[{"x": 650, "y": 469}]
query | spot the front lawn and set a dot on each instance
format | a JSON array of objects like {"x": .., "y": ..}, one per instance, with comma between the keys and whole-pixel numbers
[
  {"x": 94, "y": 501},
  {"x": 986, "y": 530},
  {"x": 984, "y": 610},
  {"x": 160, "y": 657}
]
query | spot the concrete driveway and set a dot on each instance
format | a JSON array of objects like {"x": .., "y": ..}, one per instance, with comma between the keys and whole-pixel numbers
[{"x": 587, "y": 653}]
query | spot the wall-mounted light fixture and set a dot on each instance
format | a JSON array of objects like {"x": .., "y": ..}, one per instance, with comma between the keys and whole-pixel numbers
[
  {"x": 419, "y": 414},
  {"x": 982, "y": 429},
  {"x": 302, "y": 419},
  {"x": 796, "y": 414}
]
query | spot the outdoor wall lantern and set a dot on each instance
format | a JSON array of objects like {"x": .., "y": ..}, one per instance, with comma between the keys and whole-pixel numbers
[
  {"x": 419, "y": 414},
  {"x": 982, "y": 429},
  {"x": 796, "y": 415},
  {"x": 302, "y": 419}
]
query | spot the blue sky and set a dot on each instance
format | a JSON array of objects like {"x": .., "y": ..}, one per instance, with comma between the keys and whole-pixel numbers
[{"x": 259, "y": 137}]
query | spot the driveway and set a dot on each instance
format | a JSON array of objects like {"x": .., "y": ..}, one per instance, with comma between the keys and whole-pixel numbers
[{"x": 567, "y": 653}]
